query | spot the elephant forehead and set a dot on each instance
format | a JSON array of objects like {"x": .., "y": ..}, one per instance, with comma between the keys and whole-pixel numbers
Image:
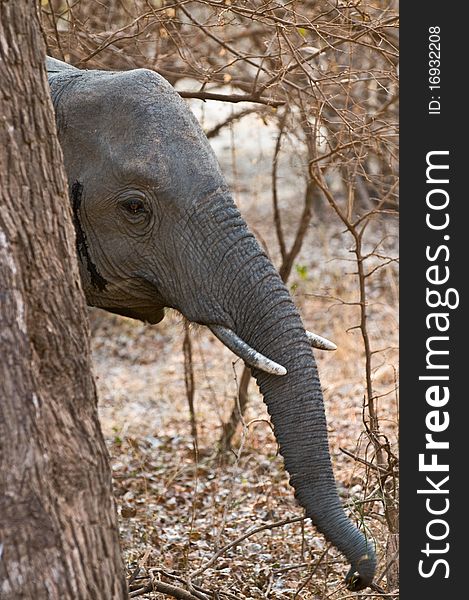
[
  {"x": 138, "y": 123},
  {"x": 137, "y": 105},
  {"x": 176, "y": 159}
]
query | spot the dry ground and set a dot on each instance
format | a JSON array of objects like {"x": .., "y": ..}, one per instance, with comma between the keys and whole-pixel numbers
[{"x": 177, "y": 509}]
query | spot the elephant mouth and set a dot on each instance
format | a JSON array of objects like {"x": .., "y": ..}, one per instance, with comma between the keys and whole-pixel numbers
[
  {"x": 228, "y": 337},
  {"x": 150, "y": 315}
]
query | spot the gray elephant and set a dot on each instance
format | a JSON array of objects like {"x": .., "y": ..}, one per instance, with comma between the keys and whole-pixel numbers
[{"x": 156, "y": 227}]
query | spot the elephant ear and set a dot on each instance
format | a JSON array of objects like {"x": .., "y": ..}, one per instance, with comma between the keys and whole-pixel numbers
[{"x": 57, "y": 66}]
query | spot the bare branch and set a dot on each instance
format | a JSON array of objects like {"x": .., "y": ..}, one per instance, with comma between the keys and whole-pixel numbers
[{"x": 235, "y": 98}]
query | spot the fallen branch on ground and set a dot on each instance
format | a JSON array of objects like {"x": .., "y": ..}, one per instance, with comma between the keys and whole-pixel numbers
[
  {"x": 241, "y": 538},
  {"x": 164, "y": 588}
]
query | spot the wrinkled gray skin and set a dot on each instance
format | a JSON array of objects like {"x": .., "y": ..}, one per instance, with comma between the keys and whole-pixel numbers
[{"x": 128, "y": 135}]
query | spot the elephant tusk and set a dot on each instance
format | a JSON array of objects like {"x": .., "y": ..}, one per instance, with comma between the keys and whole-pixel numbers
[
  {"x": 320, "y": 342},
  {"x": 248, "y": 354}
]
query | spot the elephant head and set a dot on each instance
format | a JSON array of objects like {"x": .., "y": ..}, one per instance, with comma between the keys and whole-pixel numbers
[{"x": 156, "y": 227}]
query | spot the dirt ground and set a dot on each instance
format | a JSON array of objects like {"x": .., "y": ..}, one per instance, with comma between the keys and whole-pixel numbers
[{"x": 177, "y": 508}]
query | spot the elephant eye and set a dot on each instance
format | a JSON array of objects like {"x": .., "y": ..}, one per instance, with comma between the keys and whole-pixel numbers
[{"x": 134, "y": 206}]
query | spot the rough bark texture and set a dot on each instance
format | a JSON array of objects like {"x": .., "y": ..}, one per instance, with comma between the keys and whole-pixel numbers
[{"x": 58, "y": 530}]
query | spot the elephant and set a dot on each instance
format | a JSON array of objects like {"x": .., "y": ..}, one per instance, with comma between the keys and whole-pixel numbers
[{"x": 156, "y": 228}]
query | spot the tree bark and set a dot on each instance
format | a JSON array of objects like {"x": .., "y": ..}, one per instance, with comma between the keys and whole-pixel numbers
[{"x": 58, "y": 526}]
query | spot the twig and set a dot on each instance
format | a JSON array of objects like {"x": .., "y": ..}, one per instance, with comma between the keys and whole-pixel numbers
[
  {"x": 363, "y": 461},
  {"x": 388, "y": 566},
  {"x": 240, "y": 539},
  {"x": 232, "y": 98},
  {"x": 291, "y": 567},
  {"x": 189, "y": 380},
  {"x": 277, "y": 217},
  {"x": 196, "y": 590},
  {"x": 141, "y": 564},
  {"x": 231, "y": 119},
  {"x": 164, "y": 588},
  {"x": 269, "y": 585},
  {"x": 313, "y": 570},
  {"x": 237, "y": 414}
]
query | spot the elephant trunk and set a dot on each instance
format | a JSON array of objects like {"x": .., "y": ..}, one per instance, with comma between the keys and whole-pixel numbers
[
  {"x": 271, "y": 324},
  {"x": 242, "y": 298}
]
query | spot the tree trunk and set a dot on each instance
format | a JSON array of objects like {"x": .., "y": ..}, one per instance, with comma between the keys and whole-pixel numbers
[{"x": 58, "y": 529}]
